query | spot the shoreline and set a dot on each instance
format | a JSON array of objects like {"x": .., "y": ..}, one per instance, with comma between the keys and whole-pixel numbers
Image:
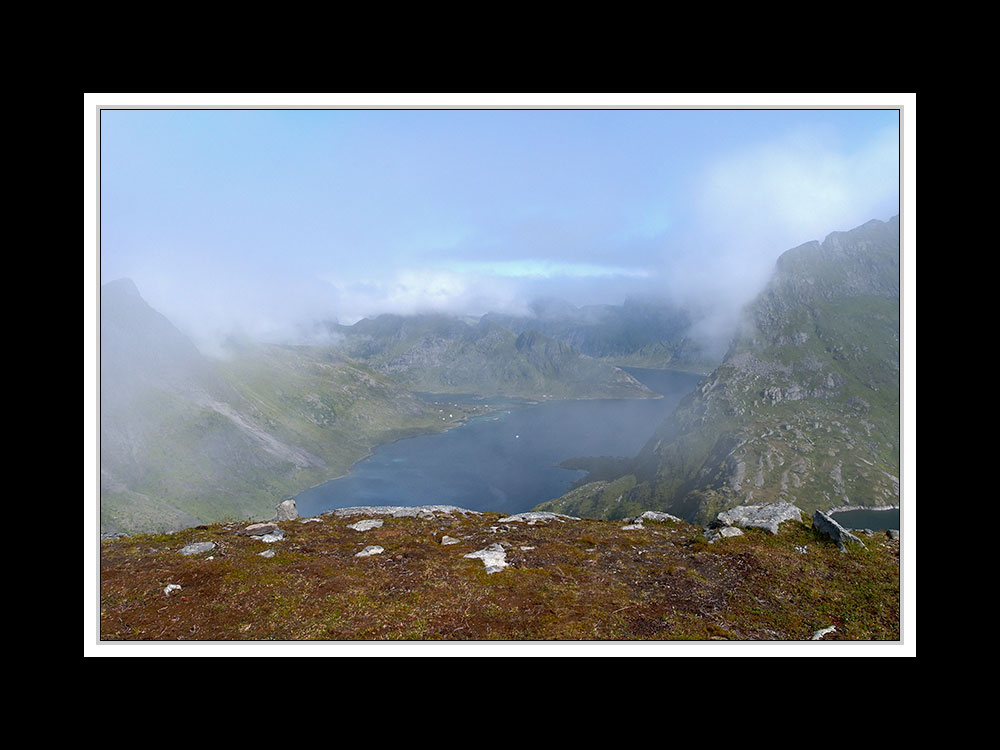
[
  {"x": 528, "y": 401},
  {"x": 525, "y": 401},
  {"x": 845, "y": 508}
]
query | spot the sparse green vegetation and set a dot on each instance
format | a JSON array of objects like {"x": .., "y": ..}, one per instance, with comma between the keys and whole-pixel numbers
[
  {"x": 805, "y": 407},
  {"x": 584, "y": 580}
]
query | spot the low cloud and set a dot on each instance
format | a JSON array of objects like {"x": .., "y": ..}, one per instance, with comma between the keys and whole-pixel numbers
[{"x": 710, "y": 245}]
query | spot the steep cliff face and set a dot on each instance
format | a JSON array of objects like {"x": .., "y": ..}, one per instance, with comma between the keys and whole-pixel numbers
[{"x": 805, "y": 406}]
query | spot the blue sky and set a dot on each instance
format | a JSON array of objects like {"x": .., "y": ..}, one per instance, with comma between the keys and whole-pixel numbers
[{"x": 262, "y": 221}]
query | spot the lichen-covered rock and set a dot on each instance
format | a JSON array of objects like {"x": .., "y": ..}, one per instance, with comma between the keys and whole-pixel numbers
[
  {"x": 366, "y": 525},
  {"x": 819, "y": 634},
  {"x": 257, "y": 529},
  {"x": 768, "y": 517},
  {"x": 826, "y": 525},
  {"x": 494, "y": 558},
  {"x": 532, "y": 517},
  {"x": 372, "y": 549},
  {"x": 714, "y": 535},
  {"x": 400, "y": 511},
  {"x": 286, "y": 510},
  {"x": 197, "y": 548},
  {"x": 655, "y": 515}
]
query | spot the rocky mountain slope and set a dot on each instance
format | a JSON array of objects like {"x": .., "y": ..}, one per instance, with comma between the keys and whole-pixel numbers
[
  {"x": 804, "y": 408},
  {"x": 443, "y": 573},
  {"x": 636, "y": 333},
  {"x": 187, "y": 439},
  {"x": 440, "y": 353}
]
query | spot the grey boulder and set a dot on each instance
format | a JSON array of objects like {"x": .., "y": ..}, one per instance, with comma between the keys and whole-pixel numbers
[
  {"x": 286, "y": 510},
  {"x": 826, "y": 525},
  {"x": 197, "y": 548},
  {"x": 768, "y": 517},
  {"x": 655, "y": 515},
  {"x": 257, "y": 529}
]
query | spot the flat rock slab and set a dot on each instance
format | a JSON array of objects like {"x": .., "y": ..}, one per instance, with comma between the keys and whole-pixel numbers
[
  {"x": 257, "y": 529},
  {"x": 494, "y": 558},
  {"x": 274, "y": 536},
  {"x": 450, "y": 540},
  {"x": 311, "y": 520},
  {"x": 534, "y": 516},
  {"x": 366, "y": 525},
  {"x": 399, "y": 511},
  {"x": 768, "y": 517},
  {"x": 197, "y": 548},
  {"x": 268, "y": 553},
  {"x": 632, "y": 527},
  {"x": 372, "y": 549},
  {"x": 826, "y": 525},
  {"x": 655, "y": 515}
]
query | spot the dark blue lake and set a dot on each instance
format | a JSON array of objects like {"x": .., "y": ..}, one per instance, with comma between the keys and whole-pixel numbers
[
  {"x": 876, "y": 520},
  {"x": 505, "y": 461}
]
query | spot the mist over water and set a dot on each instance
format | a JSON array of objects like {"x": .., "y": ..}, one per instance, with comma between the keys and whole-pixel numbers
[{"x": 506, "y": 461}]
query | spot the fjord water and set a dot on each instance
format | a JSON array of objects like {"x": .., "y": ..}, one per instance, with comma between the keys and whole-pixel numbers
[
  {"x": 876, "y": 520},
  {"x": 505, "y": 461}
]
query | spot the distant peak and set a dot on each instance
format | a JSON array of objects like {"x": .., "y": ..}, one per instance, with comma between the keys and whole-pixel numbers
[{"x": 123, "y": 287}]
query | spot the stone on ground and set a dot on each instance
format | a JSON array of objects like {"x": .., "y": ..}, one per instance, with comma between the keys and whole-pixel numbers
[
  {"x": 494, "y": 558},
  {"x": 366, "y": 525},
  {"x": 826, "y": 525},
  {"x": 768, "y": 517},
  {"x": 286, "y": 510},
  {"x": 197, "y": 548}
]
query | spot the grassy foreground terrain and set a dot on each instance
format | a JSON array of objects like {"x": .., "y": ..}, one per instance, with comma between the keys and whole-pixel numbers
[{"x": 580, "y": 580}]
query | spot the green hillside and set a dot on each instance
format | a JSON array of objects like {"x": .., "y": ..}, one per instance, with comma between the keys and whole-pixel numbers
[
  {"x": 805, "y": 406},
  {"x": 187, "y": 439},
  {"x": 444, "y": 354}
]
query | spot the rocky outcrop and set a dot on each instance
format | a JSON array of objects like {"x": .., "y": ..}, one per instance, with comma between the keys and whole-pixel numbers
[
  {"x": 198, "y": 548},
  {"x": 494, "y": 558},
  {"x": 366, "y": 525},
  {"x": 257, "y": 529},
  {"x": 286, "y": 510},
  {"x": 826, "y": 525},
  {"x": 655, "y": 515},
  {"x": 400, "y": 511},
  {"x": 768, "y": 517},
  {"x": 725, "y": 532},
  {"x": 533, "y": 517}
]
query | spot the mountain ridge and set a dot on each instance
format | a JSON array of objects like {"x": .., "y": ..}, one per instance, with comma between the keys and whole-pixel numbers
[{"x": 804, "y": 407}]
